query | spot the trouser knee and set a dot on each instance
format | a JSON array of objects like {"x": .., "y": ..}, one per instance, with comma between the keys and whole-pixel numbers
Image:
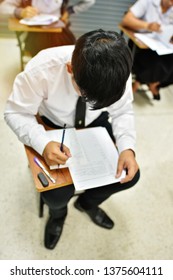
[
  {"x": 94, "y": 197},
  {"x": 58, "y": 198}
]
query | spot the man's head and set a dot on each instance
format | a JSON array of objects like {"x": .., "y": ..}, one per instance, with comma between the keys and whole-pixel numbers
[
  {"x": 101, "y": 64},
  {"x": 166, "y": 4}
]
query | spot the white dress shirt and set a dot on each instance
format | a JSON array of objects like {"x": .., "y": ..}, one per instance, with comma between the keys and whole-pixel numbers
[
  {"x": 45, "y": 86},
  {"x": 150, "y": 11},
  {"x": 45, "y": 6}
]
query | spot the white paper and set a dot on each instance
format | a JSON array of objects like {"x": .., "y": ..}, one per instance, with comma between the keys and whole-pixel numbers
[
  {"x": 159, "y": 42},
  {"x": 71, "y": 141},
  {"x": 100, "y": 162},
  {"x": 165, "y": 35},
  {"x": 41, "y": 19},
  {"x": 94, "y": 156}
]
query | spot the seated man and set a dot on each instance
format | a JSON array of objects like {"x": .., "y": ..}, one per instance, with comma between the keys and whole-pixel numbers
[
  {"x": 150, "y": 68},
  {"x": 97, "y": 69},
  {"x": 37, "y": 41}
]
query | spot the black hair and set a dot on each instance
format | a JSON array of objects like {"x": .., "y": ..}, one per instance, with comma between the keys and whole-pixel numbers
[{"x": 101, "y": 64}]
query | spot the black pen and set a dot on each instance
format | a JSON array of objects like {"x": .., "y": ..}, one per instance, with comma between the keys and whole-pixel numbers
[{"x": 62, "y": 141}]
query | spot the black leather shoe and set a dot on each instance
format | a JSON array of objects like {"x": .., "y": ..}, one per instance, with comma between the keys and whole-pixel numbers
[
  {"x": 53, "y": 232},
  {"x": 97, "y": 215}
]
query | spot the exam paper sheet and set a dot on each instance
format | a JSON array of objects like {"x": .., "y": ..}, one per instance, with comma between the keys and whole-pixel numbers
[
  {"x": 41, "y": 19},
  {"x": 158, "y": 41},
  {"x": 99, "y": 164},
  {"x": 94, "y": 157}
]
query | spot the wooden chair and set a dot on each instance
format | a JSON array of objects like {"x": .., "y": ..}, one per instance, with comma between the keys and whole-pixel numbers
[
  {"x": 41, "y": 207},
  {"x": 62, "y": 176},
  {"x": 21, "y": 32}
]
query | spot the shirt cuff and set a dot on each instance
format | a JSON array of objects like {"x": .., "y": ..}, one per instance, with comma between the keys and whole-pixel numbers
[
  {"x": 39, "y": 143},
  {"x": 126, "y": 146}
]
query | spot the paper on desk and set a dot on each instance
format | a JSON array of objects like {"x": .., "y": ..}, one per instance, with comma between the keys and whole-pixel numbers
[
  {"x": 166, "y": 35},
  {"x": 159, "y": 42},
  {"x": 41, "y": 19},
  {"x": 98, "y": 167},
  {"x": 71, "y": 141},
  {"x": 94, "y": 157}
]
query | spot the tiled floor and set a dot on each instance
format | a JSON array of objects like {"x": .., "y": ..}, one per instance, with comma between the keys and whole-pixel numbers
[{"x": 143, "y": 215}]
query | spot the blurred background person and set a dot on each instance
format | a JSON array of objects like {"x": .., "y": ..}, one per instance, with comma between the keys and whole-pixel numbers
[
  {"x": 36, "y": 41},
  {"x": 150, "y": 68}
]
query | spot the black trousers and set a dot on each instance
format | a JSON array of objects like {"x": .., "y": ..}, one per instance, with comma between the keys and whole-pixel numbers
[
  {"x": 149, "y": 67},
  {"x": 57, "y": 199}
]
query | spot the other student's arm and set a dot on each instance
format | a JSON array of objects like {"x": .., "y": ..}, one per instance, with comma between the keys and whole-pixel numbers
[{"x": 129, "y": 20}]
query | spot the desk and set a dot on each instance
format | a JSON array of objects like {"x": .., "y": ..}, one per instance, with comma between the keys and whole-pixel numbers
[
  {"x": 130, "y": 35},
  {"x": 62, "y": 176},
  {"x": 20, "y": 29},
  {"x": 15, "y": 25}
]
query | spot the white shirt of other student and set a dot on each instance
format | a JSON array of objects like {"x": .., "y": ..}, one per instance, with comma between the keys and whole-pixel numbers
[
  {"x": 45, "y": 86},
  {"x": 45, "y": 6},
  {"x": 150, "y": 10}
]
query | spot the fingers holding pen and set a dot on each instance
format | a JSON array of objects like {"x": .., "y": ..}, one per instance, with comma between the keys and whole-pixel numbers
[
  {"x": 29, "y": 12},
  {"x": 154, "y": 26},
  {"x": 53, "y": 154}
]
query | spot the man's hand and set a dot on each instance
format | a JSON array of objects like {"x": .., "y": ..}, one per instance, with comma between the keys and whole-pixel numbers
[
  {"x": 127, "y": 161},
  {"x": 65, "y": 17},
  {"x": 29, "y": 12},
  {"x": 154, "y": 26},
  {"x": 53, "y": 155}
]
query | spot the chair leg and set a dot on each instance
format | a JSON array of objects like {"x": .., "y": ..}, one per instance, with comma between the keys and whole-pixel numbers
[{"x": 41, "y": 207}]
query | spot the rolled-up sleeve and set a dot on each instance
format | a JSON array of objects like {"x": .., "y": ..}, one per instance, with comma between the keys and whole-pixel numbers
[{"x": 139, "y": 8}]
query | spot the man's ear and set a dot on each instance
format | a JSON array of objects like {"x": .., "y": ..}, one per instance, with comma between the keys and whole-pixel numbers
[{"x": 69, "y": 68}]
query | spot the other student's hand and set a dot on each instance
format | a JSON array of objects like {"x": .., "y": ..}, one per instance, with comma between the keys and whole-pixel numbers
[
  {"x": 29, "y": 12},
  {"x": 53, "y": 155},
  {"x": 154, "y": 26},
  {"x": 127, "y": 161},
  {"x": 65, "y": 17}
]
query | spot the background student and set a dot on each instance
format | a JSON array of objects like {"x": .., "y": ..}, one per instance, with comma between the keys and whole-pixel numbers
[
  {"x": 37, "y": 41},
  {"x": 97, "y": 71},
  {"x": 150, "y": 68}
]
